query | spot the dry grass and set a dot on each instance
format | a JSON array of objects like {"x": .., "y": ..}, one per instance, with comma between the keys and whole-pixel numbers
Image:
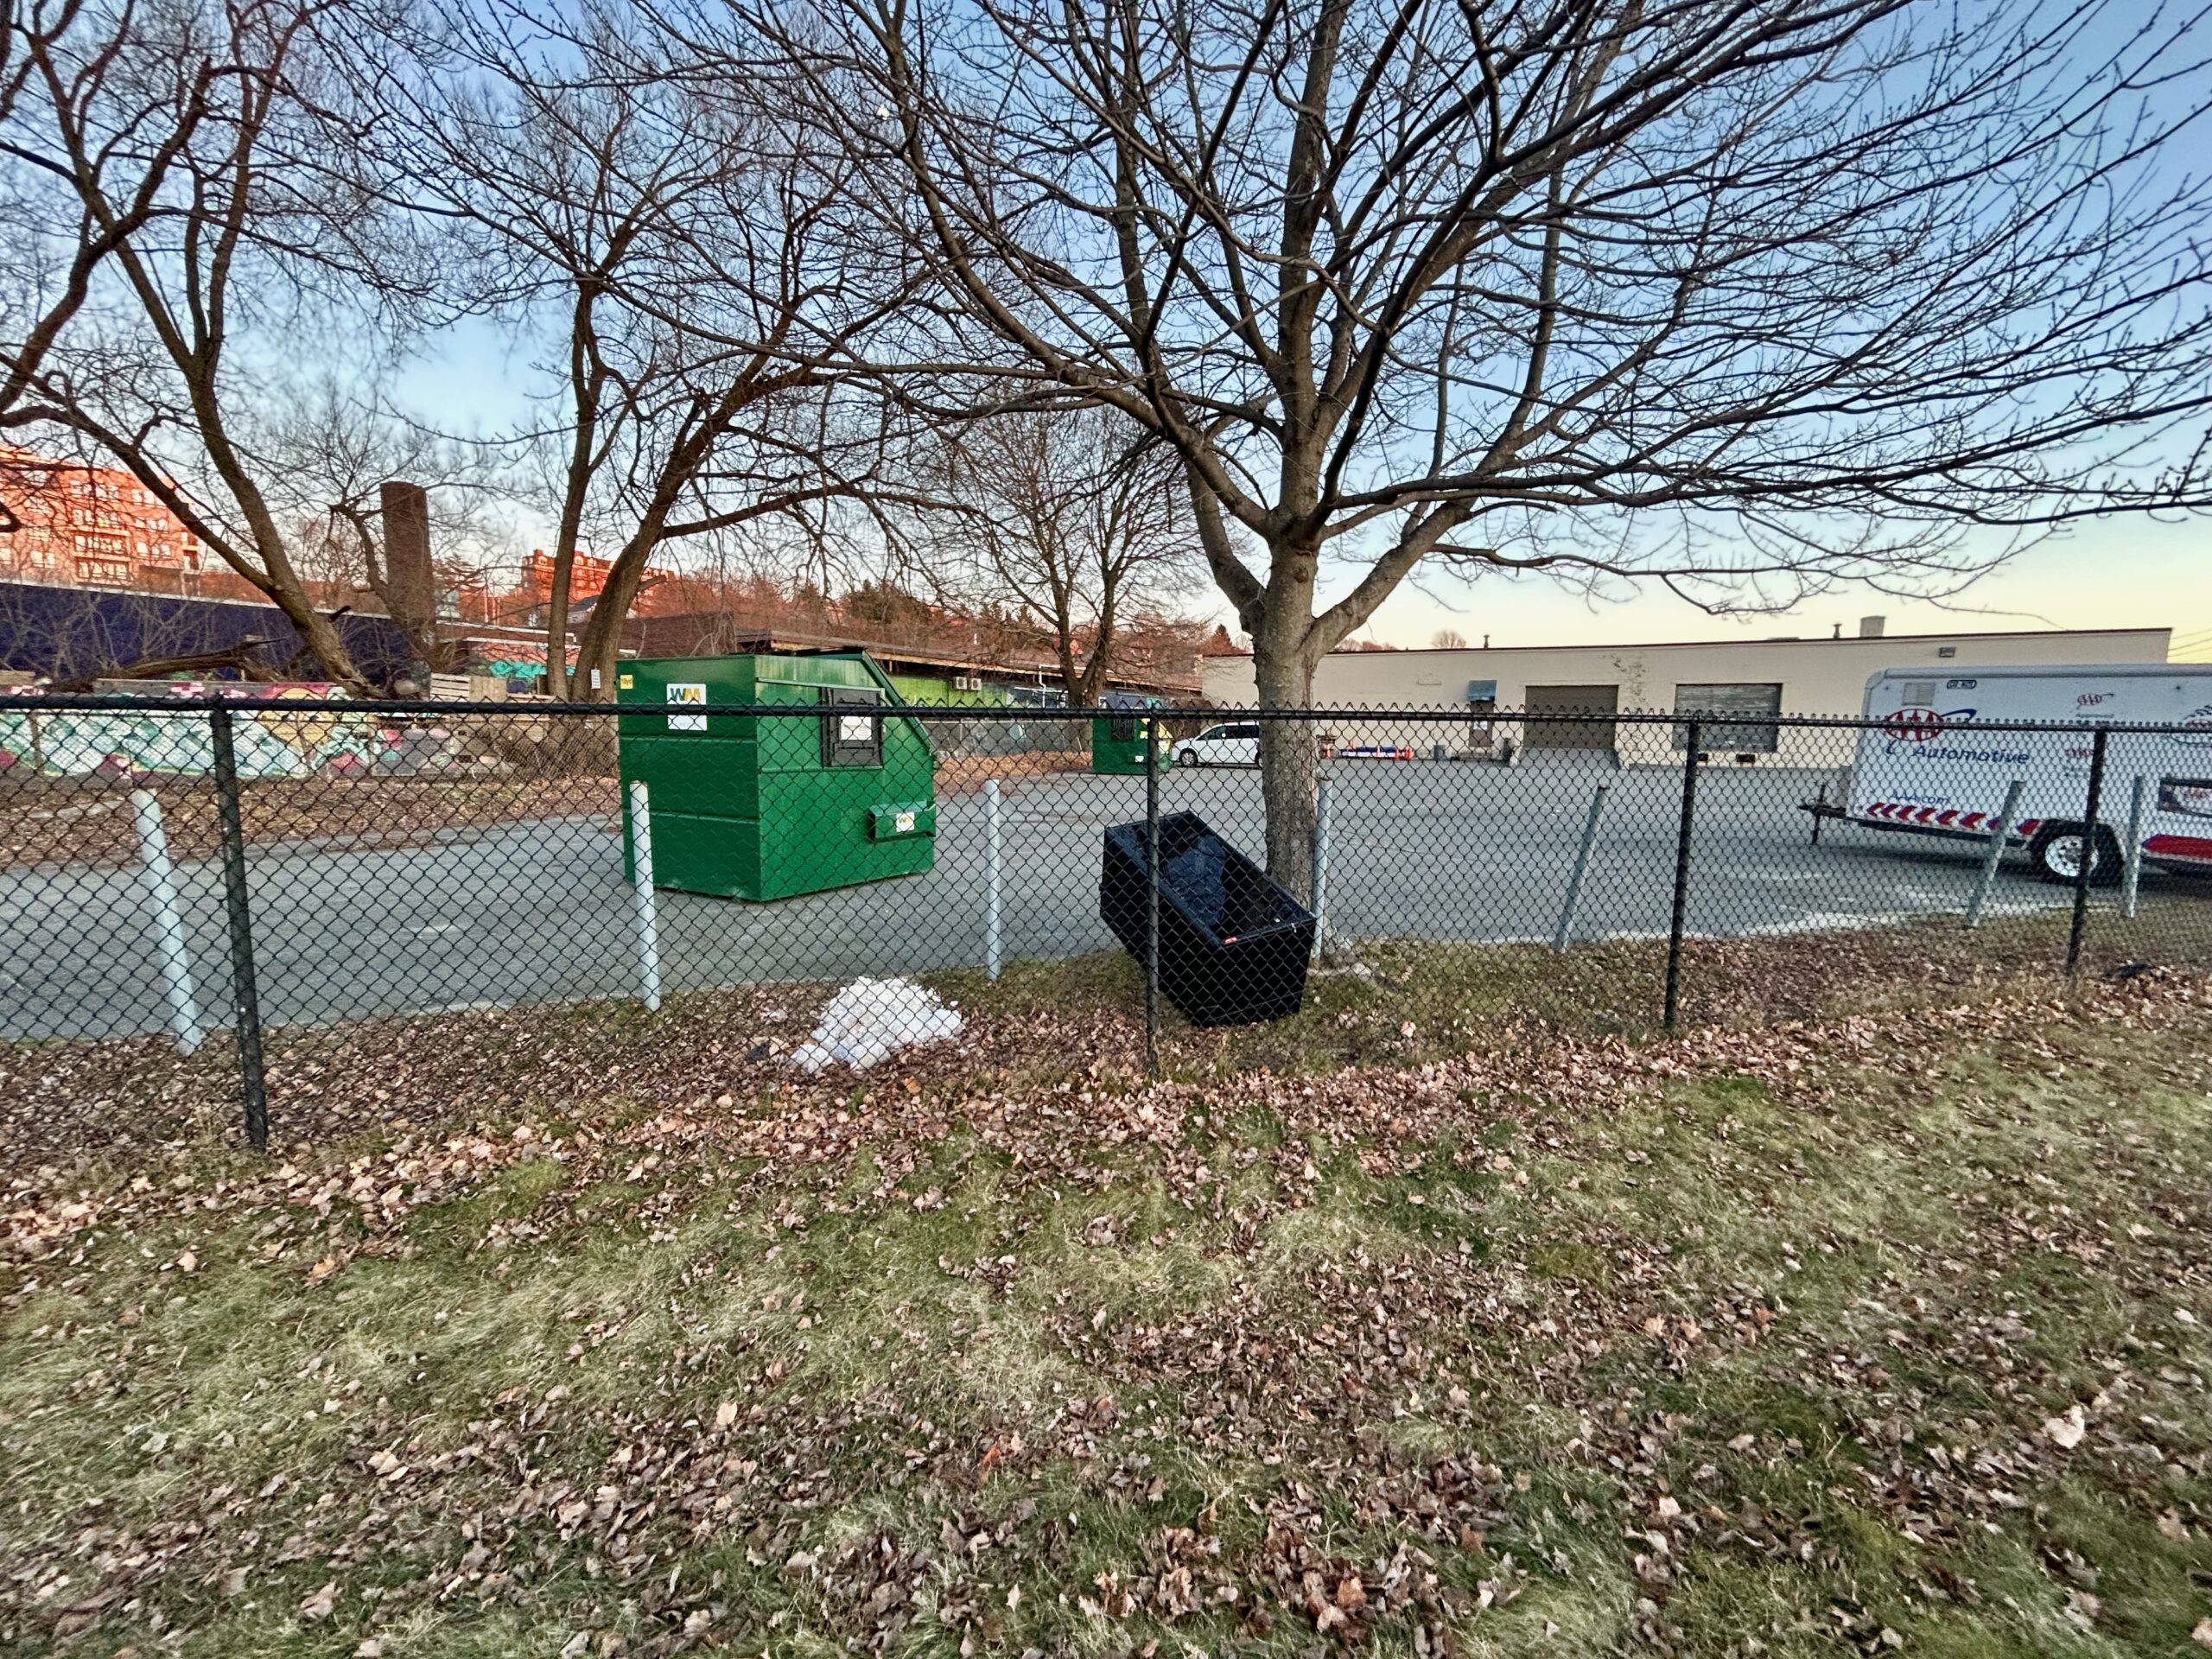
[{"x": 1519, "y": 1336}]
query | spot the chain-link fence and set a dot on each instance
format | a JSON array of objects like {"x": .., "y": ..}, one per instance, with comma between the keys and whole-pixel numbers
[{"x": 302, "y": 896}]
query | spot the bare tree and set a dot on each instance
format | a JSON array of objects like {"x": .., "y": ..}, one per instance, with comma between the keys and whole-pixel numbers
[
  {"x": 1079, "y": 521},
  {"x": 1745, "y": 297},
  {"x": 333, "y": 456},
  {"x": 64, "y": 50},
  {"x": 1447, "y": 639},
  {"x": 675, "y": 251},
  {"x": 189, "y": 147}
]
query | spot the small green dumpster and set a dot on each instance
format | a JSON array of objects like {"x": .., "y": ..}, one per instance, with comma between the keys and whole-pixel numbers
[
  {"x": 1119, "y": 738},
  {"x": 766, "y": 806}
]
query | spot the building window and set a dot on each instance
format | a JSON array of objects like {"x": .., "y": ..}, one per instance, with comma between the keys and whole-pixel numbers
[
  {"x": 851, "y": 736},
  {"x": 1737, "y": 718}
]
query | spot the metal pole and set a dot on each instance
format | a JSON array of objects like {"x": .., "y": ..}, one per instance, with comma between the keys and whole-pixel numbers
[
  {"x": 1682, "y": 874},
  {"x": 2089, "y": 851},
  {"x": 168, "y": 924},
  {"x": 1152, "y": 909},
  {"x": 642, "y": 896},
  {"x": 2131, "y": 867},
  {"x": 1995, "y": 853},
  {"x": 245, "y": 995},
  {"x": 1582, "y": 863},
  {"x": 1320, "y": 864},
  {"x": 991, "y": 878}
]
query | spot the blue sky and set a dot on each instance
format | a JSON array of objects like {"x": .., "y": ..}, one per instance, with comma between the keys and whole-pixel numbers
[{"x": 2125, "y": 572}]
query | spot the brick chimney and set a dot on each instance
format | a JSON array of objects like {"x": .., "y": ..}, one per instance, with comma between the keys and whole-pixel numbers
[{"x": 409, "y": 589}]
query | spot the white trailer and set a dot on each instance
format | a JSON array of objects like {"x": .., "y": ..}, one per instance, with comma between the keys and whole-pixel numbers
[{"x": 1932, "y": 768}]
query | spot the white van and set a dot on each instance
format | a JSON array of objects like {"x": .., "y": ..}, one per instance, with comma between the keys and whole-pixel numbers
[
  {"x": 1928, "y": 770},
  {"x": 1221, "y": 746}
]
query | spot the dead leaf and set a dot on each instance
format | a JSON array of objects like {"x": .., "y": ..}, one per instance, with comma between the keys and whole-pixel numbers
[
  {"x": 319, "y": 1604},
  {"x": 2066, "y": 1432}
]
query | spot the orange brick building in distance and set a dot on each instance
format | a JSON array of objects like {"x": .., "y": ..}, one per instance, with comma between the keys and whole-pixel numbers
[{"x": 80, "y": 525}]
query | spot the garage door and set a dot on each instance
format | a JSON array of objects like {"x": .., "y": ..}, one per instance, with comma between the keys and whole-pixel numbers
[
  {"x": 1738, "y": 718},
  {"x": 1571, "y": 700}
]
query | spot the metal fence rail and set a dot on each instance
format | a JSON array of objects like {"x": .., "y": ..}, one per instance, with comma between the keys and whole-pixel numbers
[{"x": 186, "y": 882}]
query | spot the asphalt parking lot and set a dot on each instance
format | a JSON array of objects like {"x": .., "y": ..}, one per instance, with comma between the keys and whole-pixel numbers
[{"x": 538, "y": 911}]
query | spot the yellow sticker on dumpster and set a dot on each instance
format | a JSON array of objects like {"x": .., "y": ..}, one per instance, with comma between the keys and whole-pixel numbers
[{"x": 688, "y": 692}]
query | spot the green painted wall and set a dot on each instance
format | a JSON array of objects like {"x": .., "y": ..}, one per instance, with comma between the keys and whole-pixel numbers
[{"x": 935, "y": 691}]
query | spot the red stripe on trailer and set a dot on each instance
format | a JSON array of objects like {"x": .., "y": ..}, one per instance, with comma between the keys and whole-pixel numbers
[
  {"x": 2197, "y": 847},
  {"x": 1947, "y": 815},
  {"x": 2027, "y": 826},
  {"x": 1972, "y": 821},
  {"x": 1925, "y": 814}
]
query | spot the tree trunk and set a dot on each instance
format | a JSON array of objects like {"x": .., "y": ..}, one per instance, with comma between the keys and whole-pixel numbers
[
  {"x": 320, "y": 636},
  {"x": 1282, "y": 665},
  {"x": 599, "y": 647}
]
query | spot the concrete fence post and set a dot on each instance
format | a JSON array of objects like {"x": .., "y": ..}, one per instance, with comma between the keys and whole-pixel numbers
[
  {"x": 1320, "y": 906},
  {"x": 168, "y": 923},
  {"x": 642, "y": 896},
  {"x": 991, "y": 879},
  {"x": 2131, "y": 867},
  {"x": 1581, "y": 864},
  {"x": 1994, "y": 854}
]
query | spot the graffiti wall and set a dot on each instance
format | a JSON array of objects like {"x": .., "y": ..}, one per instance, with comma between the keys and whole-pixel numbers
[{"x": 295, "y": 729}]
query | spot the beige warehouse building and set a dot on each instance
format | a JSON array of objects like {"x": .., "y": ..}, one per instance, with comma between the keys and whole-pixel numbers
[{"x": 1741, "y": 679}]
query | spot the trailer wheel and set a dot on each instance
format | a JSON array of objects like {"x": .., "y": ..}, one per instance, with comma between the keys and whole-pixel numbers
[{"x": 2057, "y": 853}]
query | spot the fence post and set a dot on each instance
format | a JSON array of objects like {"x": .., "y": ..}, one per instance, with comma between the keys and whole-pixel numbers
[
  {"x": 991, "y": 878},
  {"x": 1681, "y": 872},
  {"x": 1582, "y": 863},
  {"x": 2089, "y": 851},
  {"x": 1320, "y": 906},
  {"x": 169, "y": 924},
  {"x": 1151, "y": 910},
  {"x": 2131, "y": 866},
  {"x": 642, "y": 896},
  {"x": 245, "y": 995},
  {"x": 1995, "y": 855}
]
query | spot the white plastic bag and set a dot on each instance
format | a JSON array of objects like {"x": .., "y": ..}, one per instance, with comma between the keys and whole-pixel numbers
[{"x": 871, "y": 1019}]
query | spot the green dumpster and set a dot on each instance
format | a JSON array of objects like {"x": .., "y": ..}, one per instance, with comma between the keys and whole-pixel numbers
[
  {"x": 1119, "y": 738},
  {"x": 763, "y": 807}
]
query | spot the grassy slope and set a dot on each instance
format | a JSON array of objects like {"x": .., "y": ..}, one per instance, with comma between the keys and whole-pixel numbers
[{"x": 1523, "y": 1338}]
